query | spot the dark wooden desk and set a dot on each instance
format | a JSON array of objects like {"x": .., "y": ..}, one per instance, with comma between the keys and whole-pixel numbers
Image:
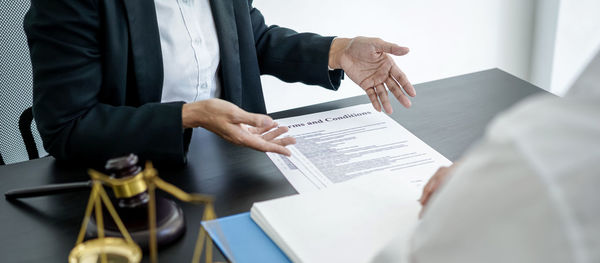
[{"x": 448, "y": 114}]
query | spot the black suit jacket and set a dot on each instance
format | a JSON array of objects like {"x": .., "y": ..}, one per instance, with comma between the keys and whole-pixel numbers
[{"x": 98, "y": 74}]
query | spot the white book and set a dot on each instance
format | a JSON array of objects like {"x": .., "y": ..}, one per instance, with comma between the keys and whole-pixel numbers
[{"x": 348, "y": 222}]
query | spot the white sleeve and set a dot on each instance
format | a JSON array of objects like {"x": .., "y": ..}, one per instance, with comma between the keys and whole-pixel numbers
[{"x": 511, "y": 199}]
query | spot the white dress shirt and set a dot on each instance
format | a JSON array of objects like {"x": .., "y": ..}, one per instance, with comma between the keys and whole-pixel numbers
[
  {"x": 190, "y": 50},
  {"x": 528, "y": 192}
]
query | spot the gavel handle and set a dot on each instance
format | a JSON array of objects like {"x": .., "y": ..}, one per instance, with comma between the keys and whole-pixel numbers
[{"x": 48, "y": 190}]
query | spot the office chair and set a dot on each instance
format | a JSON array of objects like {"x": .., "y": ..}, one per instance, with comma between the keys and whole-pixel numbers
[
  {"x": 16, "y": 88},
  {"x": 25, "y": 121}
]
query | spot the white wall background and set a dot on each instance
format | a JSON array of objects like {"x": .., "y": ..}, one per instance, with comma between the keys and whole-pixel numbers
[
  {"x": 576, "y": 41},
  {"x": 532, "y": 39},
  {"x": 544, "y": 37}
]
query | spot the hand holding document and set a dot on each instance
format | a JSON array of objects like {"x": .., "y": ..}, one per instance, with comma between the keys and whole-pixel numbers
[{"x": 339, "y": 145}]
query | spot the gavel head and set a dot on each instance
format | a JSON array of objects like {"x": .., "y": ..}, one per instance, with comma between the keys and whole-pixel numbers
[
  {"x": 132, "y": 192},
  {"x": 130, "y": 186},
  {"x": 123, "y": 166}
]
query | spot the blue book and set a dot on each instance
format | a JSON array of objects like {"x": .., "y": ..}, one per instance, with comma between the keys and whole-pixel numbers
[{"x": 242, "y": 240}]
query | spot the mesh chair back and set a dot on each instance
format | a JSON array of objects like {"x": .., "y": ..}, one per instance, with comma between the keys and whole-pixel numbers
[{"x": 15, "y": 81}]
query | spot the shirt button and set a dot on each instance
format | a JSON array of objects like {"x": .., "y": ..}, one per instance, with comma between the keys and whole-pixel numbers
[{"x": 204, "y": 85}]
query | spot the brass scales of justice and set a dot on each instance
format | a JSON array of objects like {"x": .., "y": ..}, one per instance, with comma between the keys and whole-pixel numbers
[{"x": 105, "y": 249}]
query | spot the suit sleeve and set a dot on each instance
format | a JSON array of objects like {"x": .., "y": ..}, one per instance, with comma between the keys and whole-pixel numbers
[
  {"x": 292, "y": 56},
  {"x": 67, "y": 59}
]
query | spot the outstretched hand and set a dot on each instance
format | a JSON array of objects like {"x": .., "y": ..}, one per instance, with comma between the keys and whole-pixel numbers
[
  {"x": 257, "y": 131},
  {"x": 368, "y": 63}
]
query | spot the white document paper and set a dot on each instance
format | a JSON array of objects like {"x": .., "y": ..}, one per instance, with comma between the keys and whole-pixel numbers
[{"x": 338, "y": 145}]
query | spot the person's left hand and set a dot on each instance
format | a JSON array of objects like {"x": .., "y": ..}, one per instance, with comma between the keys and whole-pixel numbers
[{"x": 368, "y": 63}]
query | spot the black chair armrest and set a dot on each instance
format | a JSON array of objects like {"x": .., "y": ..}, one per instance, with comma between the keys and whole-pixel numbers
[{"x": 25, "y": 127}]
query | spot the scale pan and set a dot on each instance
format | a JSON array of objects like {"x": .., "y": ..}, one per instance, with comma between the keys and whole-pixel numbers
[{"x": 117, "y": 250}]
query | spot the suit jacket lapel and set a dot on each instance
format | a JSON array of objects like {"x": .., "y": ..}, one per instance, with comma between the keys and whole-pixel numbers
[
  {"x": 145, "y": 49},
  {"x": 224, "y": 15}
]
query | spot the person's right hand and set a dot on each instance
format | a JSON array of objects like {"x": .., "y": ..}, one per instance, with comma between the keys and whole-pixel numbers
[
  {"x": 236, "y": 125},
  {"x": 432, "y": 186}
]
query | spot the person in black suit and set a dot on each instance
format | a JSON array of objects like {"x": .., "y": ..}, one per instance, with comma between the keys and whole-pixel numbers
[{"x": 101, "y": 69}]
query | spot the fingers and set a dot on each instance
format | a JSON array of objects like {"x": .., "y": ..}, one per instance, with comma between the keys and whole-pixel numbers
[
  {"x": 233, "y": 123},
  {"x": 379, "y": 96},
  {"x": 393, "y": 86},
  {"x": 253, "y": 119},
  {"x": 285, "y": 141},
  {"x": 260, "y": 144},
  {"x": 378, "y": 77},
  {"x": 236, "y": 134},
  {"x": 434, "y": 183},
  {"x": 373, "y": 97},
  {"x": 427, "y": 190},
  {"x": 274, "y": 134},
  {"x": 391, "y": 48},
  {"x": 261, "y": 130},
  {"x": 382, "y": 93},
  {"x": 401, "y": 78},
  {"x": 430, "y": 191}
]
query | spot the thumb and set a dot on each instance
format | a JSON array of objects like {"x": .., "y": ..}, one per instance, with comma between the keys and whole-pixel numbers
[
  {"x": 391, "y": 48},
  {"x": 253, "y": 119}
]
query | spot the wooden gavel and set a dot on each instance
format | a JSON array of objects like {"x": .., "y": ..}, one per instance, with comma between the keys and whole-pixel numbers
[{"x": 131, "y": 192}]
